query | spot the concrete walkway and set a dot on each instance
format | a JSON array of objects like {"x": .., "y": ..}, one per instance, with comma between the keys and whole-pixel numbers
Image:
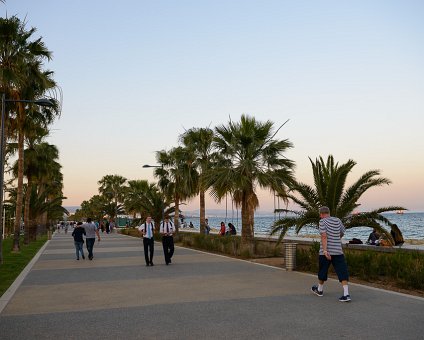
[{"x": 198, "y": 296}]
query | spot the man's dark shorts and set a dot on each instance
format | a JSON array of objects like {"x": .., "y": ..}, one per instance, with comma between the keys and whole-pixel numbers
[{"x": 339, "y": 264}]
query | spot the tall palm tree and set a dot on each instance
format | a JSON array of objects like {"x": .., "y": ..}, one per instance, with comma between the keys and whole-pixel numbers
[
  {"x": 250, "y": 156},
  {"x": 113, "y": 187},
  {"x": 199, "y": 141},
  {"x": 22, "y": 77},
  {"x": 330, "y": 190},
  {"x": 178, "y": 178}
]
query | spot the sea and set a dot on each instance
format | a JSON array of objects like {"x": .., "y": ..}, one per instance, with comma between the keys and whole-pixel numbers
[{"x": 410, "y": 223}]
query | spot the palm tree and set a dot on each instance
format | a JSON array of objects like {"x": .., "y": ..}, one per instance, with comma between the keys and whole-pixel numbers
[
  {"x": 199, "y": 141},
  {"x": 22, "y": 77},
  {"x": 113, "y": 187},
  {"x": 42, "y": 204},
  {"x": 50, "y": 185},
  {"x": 178, "y": 178},
  {"x": 40, "y": 159},
  {"x": 330, "y": 190},
  {"x": 250, "y": 156},
  {"x": 156, "y": 204},
  {"x": 135, "y": 192},
  {"x": 44, "y": 178}
]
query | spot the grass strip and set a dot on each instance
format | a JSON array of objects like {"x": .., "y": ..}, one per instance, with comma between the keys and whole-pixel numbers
[{"x": 14, "y": 263}]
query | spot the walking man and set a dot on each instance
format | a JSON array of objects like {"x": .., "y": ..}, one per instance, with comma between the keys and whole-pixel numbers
[
  {"x": 78, "y": 240},
  {"x": 167, "y": 230},
  {"x": 146, "y": 231},
  {"x": 90, "y": 236},
  {"x": 331, "y": 252}
]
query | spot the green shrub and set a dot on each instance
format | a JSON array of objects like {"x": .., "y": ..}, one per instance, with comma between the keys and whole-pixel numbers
[
  {"x": 228, "y": 244},
  {"x": 307, "y": 260}
]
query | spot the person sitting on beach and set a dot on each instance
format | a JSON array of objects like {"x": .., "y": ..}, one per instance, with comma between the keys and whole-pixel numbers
[
  {"x": 397, "y": 235},
  {"x": 373, "y": 238},
  {"x": 191, "y": 225},
  {"x": 222, "y": 230}
]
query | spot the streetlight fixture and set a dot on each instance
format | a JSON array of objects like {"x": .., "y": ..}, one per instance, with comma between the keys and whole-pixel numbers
[
  {"x": 163, "y": 203},
  {"x": 41, "y": 102}
]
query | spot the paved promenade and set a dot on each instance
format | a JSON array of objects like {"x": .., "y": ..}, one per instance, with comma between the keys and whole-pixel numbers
[{"x": 198, "y": 296}]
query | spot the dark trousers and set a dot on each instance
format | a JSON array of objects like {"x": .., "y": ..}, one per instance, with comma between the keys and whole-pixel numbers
[
  {"x": 149, "y": 248},
  {"x": 79, "y": 249},
  {"x": 339, "y": 264},
  {"x": 168, "y": 247},
  {"x": 90, "y": 245}
]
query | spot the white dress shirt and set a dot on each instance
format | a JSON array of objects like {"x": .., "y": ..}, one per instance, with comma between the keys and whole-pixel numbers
[
  {"x": 147, "y": 230},
  {"x": 167, "y": 228}
]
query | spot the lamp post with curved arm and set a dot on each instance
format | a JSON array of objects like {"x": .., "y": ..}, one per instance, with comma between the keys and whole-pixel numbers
[
  {"x": 40, "y": 102},
  {"x": 163, "y": 204}
]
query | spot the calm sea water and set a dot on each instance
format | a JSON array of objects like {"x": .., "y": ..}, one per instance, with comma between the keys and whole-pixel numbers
[{"x": 411, "y": 225}]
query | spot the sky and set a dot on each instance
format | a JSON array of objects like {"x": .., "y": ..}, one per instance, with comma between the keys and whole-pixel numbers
[{"x": 349, "y": 77}]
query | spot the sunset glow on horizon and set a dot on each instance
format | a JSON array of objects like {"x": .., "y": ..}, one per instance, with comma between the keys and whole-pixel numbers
[{"x": 136, "y": 74}]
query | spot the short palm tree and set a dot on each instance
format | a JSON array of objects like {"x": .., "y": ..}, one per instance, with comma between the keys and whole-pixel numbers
[
  {"x": 43, "y": 204},
  {"x": 178, "y": 178},
  {"x": 330, "y": 190},
  {"x": 145, "y": 199},
  {"x": 113, "y": 187},
  {"x": 39, "y": 160},
  {"x": 250, "y": 157},
  {"x": 134, "y": 194},
  {"x": 199, "y": 141}
]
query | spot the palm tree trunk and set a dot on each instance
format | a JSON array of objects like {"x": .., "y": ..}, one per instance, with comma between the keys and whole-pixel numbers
[
  {"x": 246, "y": 225},
  {"x": 26, "y": 212},
  {"x": 177, "y": 213},
  {"x": 2, "y": 154},
  {"x": 202, "y": 212},
  {"x": 43, "y": 218},
  {"x": 20, "y": 193}
]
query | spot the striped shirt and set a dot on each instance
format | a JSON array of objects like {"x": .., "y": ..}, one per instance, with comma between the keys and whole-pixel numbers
[{"x": 333, "y": 227}]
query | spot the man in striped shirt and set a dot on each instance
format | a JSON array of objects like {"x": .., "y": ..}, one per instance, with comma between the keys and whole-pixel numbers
[{"x": 331, "y": 252}]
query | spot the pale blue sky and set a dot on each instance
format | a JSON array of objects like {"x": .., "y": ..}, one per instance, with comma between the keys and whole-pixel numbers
[{"x": 348, "y": 75}]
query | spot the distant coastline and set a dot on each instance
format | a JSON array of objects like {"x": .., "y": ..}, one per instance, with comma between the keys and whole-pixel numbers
[{"x": 222, "y": 213}]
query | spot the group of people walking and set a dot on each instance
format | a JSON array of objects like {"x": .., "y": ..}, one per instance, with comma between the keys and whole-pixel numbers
[
  {"x": 90, "y": 230},
  {"x": 147, "y": 232}
]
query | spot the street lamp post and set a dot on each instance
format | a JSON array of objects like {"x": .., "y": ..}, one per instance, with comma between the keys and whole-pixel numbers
[
  {"x": 163, "y": 204},
  {"x": 40, "y": 102}
]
